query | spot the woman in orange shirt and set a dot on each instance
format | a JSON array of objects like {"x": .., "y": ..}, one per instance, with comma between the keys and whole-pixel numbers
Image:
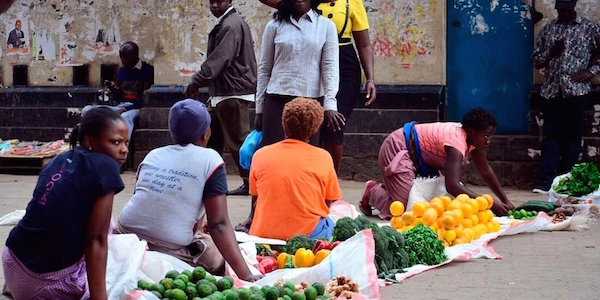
[
  {"x": 426, "y": 149},
  {"x": 292, "y": 183}
]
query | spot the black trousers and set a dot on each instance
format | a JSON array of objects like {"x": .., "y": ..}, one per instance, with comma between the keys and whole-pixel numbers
[
  {"x": 230, "y": 126},
  {"x": 563, "y": 127}
]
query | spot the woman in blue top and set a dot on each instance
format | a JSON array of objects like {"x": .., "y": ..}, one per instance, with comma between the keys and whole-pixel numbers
[{"x": 58, "y": 250}]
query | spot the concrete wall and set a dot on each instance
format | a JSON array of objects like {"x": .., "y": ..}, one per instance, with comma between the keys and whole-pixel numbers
[{"x": 408, "y": 37}]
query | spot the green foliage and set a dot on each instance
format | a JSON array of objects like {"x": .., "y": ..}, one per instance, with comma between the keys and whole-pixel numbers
[
  {"x": 423, "y": 246},
  {"x": 584, "y": 179}
]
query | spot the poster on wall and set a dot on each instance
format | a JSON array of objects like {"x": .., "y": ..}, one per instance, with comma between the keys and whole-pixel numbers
[{"x": 18, "y": 37}]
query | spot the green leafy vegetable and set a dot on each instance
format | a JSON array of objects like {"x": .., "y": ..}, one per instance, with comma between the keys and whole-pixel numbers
[
  {"x": 344, "y": 229},
  {"x": 297, "y": 242},
  {"x": 423, "y": 246},
  {"x": 584, "y": 179}
]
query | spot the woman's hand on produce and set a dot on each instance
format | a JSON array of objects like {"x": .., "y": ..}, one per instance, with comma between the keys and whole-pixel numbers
[
  {"x": 335, "y": 119},
  {"x": 251, "y": 277},
  {"x": 499, "y": 209}
]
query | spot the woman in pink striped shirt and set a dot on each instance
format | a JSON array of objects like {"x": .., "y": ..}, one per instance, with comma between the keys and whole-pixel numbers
[{"x": 426, "y": 149}]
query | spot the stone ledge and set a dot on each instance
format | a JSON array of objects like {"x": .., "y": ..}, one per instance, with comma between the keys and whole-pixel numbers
[{"x": 40, "y": 117}]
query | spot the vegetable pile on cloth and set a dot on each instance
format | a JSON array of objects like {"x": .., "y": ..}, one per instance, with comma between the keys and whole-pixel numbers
[{"x": 583, "y": 180}]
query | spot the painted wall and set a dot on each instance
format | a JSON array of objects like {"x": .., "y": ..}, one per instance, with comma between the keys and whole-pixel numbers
[
  {"x": 586, "y": 8},
  {"x": 408, "y": 37}
]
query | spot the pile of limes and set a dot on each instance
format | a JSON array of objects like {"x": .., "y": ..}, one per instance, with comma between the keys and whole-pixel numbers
[
  {"x": 198, "y": 285},
  {"x": 457, "y": 221},
  {"x": 522, "y": 214}
]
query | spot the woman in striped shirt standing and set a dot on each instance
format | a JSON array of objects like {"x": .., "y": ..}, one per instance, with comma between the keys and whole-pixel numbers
[{"x": 299, "y": 58}]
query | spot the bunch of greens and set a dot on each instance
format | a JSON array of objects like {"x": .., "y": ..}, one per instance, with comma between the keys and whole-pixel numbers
[
  {"x": 584, "y": 179},
  {"x": 423, "y": 246},
  {"x": 390, "y": 256},
  {"x": 297, "y": 242}
]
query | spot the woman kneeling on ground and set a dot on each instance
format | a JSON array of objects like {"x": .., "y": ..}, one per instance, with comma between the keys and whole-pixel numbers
[
  {"x": 426, "y": 149},
  {"x": 58, "y": 250},
  {"x": 176, "y": 186},
  {"x": 293, "y": 183}
]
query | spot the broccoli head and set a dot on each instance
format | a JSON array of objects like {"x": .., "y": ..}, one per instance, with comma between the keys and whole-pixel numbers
[
  {"x": 344, "y": 229},
  {"x": 297, "y": 242}
]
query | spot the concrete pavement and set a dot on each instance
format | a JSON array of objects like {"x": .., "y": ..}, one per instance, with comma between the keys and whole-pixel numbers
[{"x": 557, "y": 265}]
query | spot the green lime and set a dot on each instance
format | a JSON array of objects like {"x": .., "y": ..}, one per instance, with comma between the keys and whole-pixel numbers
[
  {"x": 172, "y": 274},
  {"x": 310, "y": 293},
  {"x": 288, "y": 291},
  {"x": 223, "y": 284},
  {"x": 217, "y": 296},
  {"x": 517, "y": 215},
  {"x": 290, "y": 285},
  {"x": 188, "y": 273},
  {"x": 179, "y": 284},
  {"x": 144, "y": 285},
  {"x": 286, "y": 297},
  {"x": 211, "y": 278},
  {"x": 167, "y": 294},
  {"x": 272, "y": 293},
  {"x": 244, "y": 293},
  {"x": 204, "y": 289},
  {"x": 158, "y": 287},
  {"x": 167, "y": 283},
  {"x": 157, "y": 294},
  {"x": 178, "y": 294},
  {"x": 191, "y": 291},
  {"x": 319, "y": 287},
  {"x": 197, "y": 298},
  {"x": 231, "y": 295},
  {"x": 298, "y": 296},
  {"x": 183, "y": 277},
  {"x": 256, "y": 296},
  {"x": 198, "y": 274},
  {"x": 230, "y": 279}
]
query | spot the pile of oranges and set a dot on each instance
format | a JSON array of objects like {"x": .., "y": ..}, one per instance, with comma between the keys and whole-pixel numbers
[{"x": 457, "y": 221}]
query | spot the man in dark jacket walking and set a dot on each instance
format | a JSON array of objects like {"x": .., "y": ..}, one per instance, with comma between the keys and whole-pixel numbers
[{"x": 229, "y": 71}]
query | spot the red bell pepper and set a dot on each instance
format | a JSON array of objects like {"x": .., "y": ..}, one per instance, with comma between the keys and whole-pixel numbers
[
  {"x": 321, "y": 245},
  {"x": 266, "y": 264}
]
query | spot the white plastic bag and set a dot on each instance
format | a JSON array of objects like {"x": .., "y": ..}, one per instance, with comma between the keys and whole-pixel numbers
[
  {"x": 553, "y": 196},
  {"x": 424, "y": 189},
  {"x": 354, "y": 258}
]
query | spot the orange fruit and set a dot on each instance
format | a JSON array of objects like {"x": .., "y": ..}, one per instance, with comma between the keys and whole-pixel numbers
[
  {"x": 430, "y": 216},
  {"x": 455, "y": 204},
  {"x": 462, "y": 197},
  {"x": 474, "y": 219},
  {"x": 446, "y": 200},
  {"x": 459, "y": 214},
  {"x": 416, "y": 222},
  {"x": 468, "y": 234},
  {"x": 438, "y": 204},
  {"x": 460, "y": 240},
  {"x": 419, "y": 208},
  {"x": 482, "y": 203},
  {"x": 496, "y": 226},
  {"x": 490, "y": 215},
  {"x": 397, "y": 208},
  {"x": 408, "y": 218},
  {"x": 467, "y": 223},
  {"x": 434, "y": 226},
  {"x": 473, "y": 203},
  {"x": 396, "y": 222},
  {"x": 467, "y": 209},
  {"x": 482, "y": 228},
  {"x": 449, "y": 235},
  {"x": 446, "y": 245},
  {"x": 490, "y": 227},
  {"x": 448, "y": 221},
  {"x": 489, "y": 199},
  {"x": 459, "y": 230}
]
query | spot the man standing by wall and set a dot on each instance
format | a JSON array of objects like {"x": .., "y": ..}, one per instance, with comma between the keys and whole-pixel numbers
[
  {"x": 565, "y": 48},
  {"x": 230, "y": 74}
]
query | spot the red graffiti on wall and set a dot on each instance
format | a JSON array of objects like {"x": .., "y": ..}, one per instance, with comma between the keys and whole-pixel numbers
[{"x": 382, "y": 47}]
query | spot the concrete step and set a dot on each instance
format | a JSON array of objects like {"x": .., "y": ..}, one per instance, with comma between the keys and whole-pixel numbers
[
  {"x": 362, "y": 119},
  {"x": 40, "y": 116},
  {"x": 388, "y": 97},
  {"x": 48, "y": 96},
  {"x": 43, "y": 134}
]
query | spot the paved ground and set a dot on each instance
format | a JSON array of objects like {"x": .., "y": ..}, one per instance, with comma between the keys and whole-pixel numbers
[{"x": 557, "y": 265}]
